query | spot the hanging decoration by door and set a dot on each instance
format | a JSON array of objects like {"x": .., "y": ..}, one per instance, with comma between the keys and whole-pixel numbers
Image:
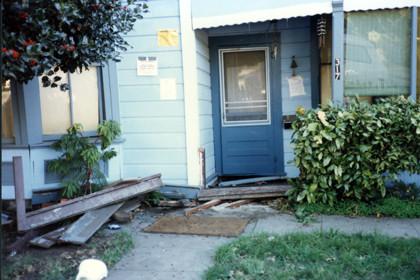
[
  {"x": 321, "y": 29},
  {"x": 275, "y": 38}
]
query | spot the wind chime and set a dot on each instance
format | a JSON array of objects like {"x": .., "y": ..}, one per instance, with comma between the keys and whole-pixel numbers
[
  {"x": 275, "y": 38},
  {"x": 321, "y": 29}
]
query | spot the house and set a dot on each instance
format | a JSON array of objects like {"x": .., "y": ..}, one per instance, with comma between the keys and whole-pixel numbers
[{"x": 217, "y": 75}]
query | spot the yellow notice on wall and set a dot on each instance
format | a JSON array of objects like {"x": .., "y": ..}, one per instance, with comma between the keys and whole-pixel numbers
[{"x": 168, "y": 38}]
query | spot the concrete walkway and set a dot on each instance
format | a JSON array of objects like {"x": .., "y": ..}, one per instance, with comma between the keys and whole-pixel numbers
[{"x": 186, "y": 257}]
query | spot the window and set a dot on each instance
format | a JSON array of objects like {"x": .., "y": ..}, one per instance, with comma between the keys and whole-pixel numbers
[
  {"x": 80, "y": 104},
  {"x": 377, "y": 53},
  {"x": 7, "y": 128},
  {"x": 245, "y": 98}
]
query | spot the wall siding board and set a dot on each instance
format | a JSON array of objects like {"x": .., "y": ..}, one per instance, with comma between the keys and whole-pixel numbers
[
  {"x": 154, "y": 129},
  {"x": 129, "y": 77},
  {"x": 147, "y": 92},
  {"x": 152, "y": 125},
  {"x": 170, "y": 172},
  {"x": 155, "y": 141},
  {"x": 155, "y": 156},
  {"x": 204, "y": 103},
  {"x": 150, "y": 26},
  {"x": 171, "y": 108},
  {"x": 148, "y": 43},
  {"x": 166, "y": 59}
]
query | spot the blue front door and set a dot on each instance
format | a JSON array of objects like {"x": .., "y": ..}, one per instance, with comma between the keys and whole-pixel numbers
[{"x": 248, "y": 112}]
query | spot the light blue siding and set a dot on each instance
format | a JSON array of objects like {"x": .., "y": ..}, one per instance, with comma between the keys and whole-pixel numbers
[
  {"x": 295, "y": 41},
  {"x": 204, "y": 100},
  {"x": 154, "y": 129}
]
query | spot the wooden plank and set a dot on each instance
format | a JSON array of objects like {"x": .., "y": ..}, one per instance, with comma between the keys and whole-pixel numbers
[
  {"x": 177, "y": 203},
  {"x": 19, "y": 193},
  {"x": 203, "y": 206},
  {"x": 42, "y": 242},
  {"x": 239, "y": 203},
  {"x": 55, "y": 234},
  {"x": 132, "y": 204},
  {"x": 80, "y": 205},
  {"x": 243, "y": 192},
  {"x": 86, "y": 226},
  {"x": 171, "y": 203},
  {"x": 248, "y": 181}
]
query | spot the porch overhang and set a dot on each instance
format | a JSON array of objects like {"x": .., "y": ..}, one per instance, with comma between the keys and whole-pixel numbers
[{"x": 216, "y": 13}]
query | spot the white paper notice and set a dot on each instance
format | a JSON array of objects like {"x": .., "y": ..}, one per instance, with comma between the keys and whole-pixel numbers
[
  {"x": 167, "y": 89},
  {"x": 147, "y": 66},
  {"x": 296, "y": 86}
]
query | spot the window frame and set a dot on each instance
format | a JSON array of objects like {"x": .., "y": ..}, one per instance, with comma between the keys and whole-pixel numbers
[
  {"x": 226, "y": 123},
  {"x": 90, "y": 133},
  {"x": 27, "y": 108}
]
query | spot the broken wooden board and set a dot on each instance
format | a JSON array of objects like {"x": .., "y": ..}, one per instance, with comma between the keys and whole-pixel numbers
[
  {"x": 86, "y": 226},
  {"x": 55, "y": 234},
  {"x": 203, "y": 206},
  {"x": 80, "y": 205},
  {"x": 42, "y": 242},
  {"x": 239, "y": 203},
  {"x": 132, "y": 204},
  {"x": 49, "y": 239},
  {"x": 243, "y": 192},
  {"x": 177, "y": 203}
]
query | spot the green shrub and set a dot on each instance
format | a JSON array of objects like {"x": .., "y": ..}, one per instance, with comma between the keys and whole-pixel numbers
[
  {"x": 79, "y": 163},
  {"x": 345, "y": 152}
]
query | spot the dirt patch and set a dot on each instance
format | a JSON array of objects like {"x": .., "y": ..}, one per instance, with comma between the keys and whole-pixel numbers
[
  {"x": 229, "y": 227},
  {"x": 58, "y": 262}
]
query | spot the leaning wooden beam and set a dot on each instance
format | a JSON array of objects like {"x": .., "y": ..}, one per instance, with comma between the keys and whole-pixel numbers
[
  {"x": 204, "y": 206},
  {"x": 243, "y": 192},
  {"x": 19, "y": 192},
  {"x": 239, "y": 203},
  {"x": 80, "y": 205},
  {"x": 86, "y": 226}
]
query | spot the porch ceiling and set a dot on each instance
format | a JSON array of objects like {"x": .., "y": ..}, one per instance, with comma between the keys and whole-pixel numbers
[{"x": 215, "y": 13}]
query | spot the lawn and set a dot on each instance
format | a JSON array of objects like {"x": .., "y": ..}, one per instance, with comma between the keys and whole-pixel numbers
[{"x": 319, "y": 255}]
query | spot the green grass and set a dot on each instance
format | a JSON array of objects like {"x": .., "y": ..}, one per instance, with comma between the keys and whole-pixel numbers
[
  {"x": 390, "y": 206},
  {"x": 320, "y": 255}
]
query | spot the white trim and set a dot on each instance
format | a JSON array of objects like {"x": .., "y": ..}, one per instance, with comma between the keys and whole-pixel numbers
[
  {"x": 283, "y": 12},
  {"x": 189, "y": 68},
  {"x": 225, "y": 123}
]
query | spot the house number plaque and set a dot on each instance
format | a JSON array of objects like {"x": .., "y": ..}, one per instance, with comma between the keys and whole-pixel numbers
[{"x": 337, "y": 69}]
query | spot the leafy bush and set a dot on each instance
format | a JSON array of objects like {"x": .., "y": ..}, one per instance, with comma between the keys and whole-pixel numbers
[
  {"x": 44, "y": 36},
  {"x": 79, "y": 163},
  {"x": 404, "y": 191},
  {"x": 345, "y": 152}
]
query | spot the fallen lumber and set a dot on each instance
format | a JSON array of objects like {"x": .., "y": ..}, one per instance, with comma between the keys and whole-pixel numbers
[
  {"x": 49, "y": 239},
  {"x": 86, "y": 226},
  {"x": 42, "y": 242},
  {"x": 247, "y": 181},
  {"x": 177, "y": 203},
  {"x": 80, "y": 205},
  {"x": 132, "y": 204},
  {"x": 203, "y": 206},
  {"x": 239, "y": 203},
  {"x": 243, "y": 192}
]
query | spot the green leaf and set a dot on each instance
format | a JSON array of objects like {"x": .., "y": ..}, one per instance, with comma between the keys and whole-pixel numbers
[
  {"x": 313, "y": 188},
  {"x": 312, "y": 126}
]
